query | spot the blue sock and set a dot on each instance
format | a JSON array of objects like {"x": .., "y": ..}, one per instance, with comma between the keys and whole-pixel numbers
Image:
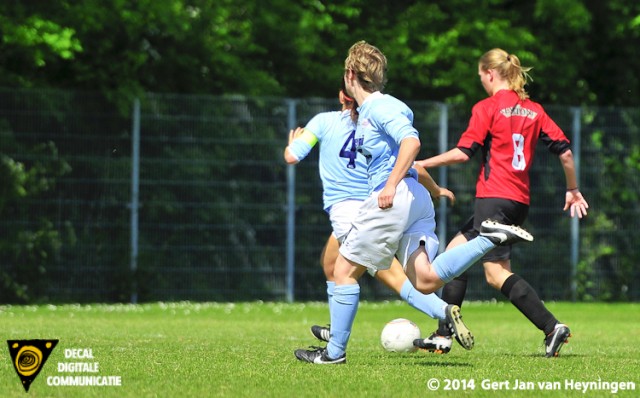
[
  {"x": 330, "y": 286},
  {"x": 455, "y": 261},
  {"x": 430, "y": 304},
  {"x": 343, "y": 312}
]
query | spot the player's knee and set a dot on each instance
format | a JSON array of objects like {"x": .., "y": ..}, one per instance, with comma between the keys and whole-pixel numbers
[
  {"x": 426, "y": 285},
  {"x": 496, "y": 279},
  {"x": 491, "y": 277},
  {"x": 493, "y": 283}
]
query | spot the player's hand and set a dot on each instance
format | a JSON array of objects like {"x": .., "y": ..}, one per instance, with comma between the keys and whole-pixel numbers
[
  {"x": 576, "y": 204},
  {"x": 421, "y": 163},
  {"x": 293, "y": 134},
  {"x": 385, "y": 198},
  {"x": 447, "y": 194}
]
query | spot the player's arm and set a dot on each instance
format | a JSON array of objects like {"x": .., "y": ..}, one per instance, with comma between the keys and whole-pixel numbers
[
  {"x": 409, "y": 148},
  {"x": 453, "y": 156},
  {"x": 301, "y": 141},
  {"x": 556, "y": 141},
  {"x": 434, "y": 189},
  {"x": 573, "y": 198}
]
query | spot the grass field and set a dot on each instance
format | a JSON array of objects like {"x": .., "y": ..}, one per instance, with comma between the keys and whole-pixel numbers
[{"x": 246, "y": 350}]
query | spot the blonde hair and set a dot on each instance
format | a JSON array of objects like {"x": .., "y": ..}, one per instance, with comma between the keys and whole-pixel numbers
[
  {"x": 369, "y": 64},
  {"x": 509, "y": 68}
]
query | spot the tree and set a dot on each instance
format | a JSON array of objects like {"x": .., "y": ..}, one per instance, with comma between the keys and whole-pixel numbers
[
  {"x": 28, "y": 247},
  {"x": 288, "y": 48}
]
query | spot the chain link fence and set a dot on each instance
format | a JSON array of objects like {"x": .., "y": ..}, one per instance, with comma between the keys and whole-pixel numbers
[{"x": 188, "y": 198}]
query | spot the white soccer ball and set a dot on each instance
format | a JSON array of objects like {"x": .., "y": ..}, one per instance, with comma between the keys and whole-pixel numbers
[{"x": 398, "y": 335}]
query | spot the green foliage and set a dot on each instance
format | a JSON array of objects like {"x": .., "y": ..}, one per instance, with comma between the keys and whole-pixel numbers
[
  {"x": 43, "y": 39},
  {"x": 226, "y": 221},
  {"x": 608, "y": 256},
  {"x": 28, "y": 247},
  {"x": 583, "y": 51}
]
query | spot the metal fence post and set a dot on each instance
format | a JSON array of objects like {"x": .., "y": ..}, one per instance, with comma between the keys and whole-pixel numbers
[
  {"x": 443, "y": 137},
  {"x": 135, "y": 190},
  {"x": 291, "y": 210},
  {"x": 575, "y": 223}
]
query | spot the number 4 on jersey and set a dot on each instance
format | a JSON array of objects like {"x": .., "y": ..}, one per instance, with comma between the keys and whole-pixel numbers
[{"x": 349, "y": 151}]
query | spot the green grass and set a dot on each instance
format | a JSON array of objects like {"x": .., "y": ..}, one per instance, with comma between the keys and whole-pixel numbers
[{"x": 246, "y": 350}]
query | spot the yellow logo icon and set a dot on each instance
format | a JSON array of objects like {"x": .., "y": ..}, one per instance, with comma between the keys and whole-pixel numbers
[{"x": 28, "y": 357}]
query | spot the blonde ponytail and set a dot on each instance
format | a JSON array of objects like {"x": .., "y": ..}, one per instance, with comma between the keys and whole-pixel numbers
[{"x": 509, "y": 68}]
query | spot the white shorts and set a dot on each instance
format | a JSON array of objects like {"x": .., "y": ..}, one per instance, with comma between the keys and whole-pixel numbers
[
  {"x": 378, "y": 235},
  {"x": 342, "y": 215}
]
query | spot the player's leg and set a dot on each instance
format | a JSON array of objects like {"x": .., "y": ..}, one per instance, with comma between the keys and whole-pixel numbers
[
  {"x": 455, "y": 291},
  {"x": 371, "y": 242},
  {"x": 396, "y": 279},
  {"x": 346, "y": 297},
  {"x": 498, "y": 273},
  {"x": 429, "y": 277},
  {"x": 446, "y": 266},
  {"x": 345, "y": 305},
  {"x": 440, "y": 341},
  {"x": 417, "y": 263},
  {"x": 473, "y": 230},
  {"x": 524, "y": 297},
  {"x": 422, "y": 247},
  {"x": 341, "y": 215},
  {"x": 454, "y": 262},
  {"x": 327, "y": 259}
]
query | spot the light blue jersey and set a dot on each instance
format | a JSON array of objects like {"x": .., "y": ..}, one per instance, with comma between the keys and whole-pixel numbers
[
  {"x": 383, "y": 123},
  {"x": 343, "y": 170}
]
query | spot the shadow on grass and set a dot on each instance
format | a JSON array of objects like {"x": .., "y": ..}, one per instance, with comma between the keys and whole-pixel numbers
[
  {"x": 541, "y": 356},
  {"x": 446, "y": 364},
  {"x": 403, "y": 360}
]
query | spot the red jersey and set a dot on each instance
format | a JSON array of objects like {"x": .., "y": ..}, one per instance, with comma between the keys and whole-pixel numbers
[{"x": 508, "y": 128}]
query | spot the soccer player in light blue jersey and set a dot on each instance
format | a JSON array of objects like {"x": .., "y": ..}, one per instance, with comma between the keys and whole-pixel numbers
[
  {"x": 343, "y": 172},
  {"x": 397, "y": 217}
]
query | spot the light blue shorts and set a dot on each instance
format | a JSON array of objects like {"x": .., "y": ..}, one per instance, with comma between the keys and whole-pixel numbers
[
  {"x": 341, "y": 216},
  {"x": 377, "y": 235}
]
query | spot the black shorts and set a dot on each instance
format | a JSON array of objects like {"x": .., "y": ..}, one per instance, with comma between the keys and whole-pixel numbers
[{"x": 504, "y": 211}]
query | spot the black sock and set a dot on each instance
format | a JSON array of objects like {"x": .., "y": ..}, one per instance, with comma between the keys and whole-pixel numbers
[
  {"x": 527, "y": 301},
  {"x": 452, "y": 293}
]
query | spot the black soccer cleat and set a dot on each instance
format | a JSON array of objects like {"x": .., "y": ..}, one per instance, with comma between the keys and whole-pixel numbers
[
  {"x": 321, "y": 332},
  {"x": 554, "y": 340},
  {"x": 318, "y": 355},
  {"x": 502, "y": 234},
  {"x": 434, "y": 343}
]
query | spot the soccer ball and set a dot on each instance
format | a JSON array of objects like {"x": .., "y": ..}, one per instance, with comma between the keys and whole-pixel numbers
[{"x": 398, "y": 335}]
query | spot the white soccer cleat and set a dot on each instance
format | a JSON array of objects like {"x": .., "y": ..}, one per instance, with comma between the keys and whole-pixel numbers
[{"x": 503, "y": 234}]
